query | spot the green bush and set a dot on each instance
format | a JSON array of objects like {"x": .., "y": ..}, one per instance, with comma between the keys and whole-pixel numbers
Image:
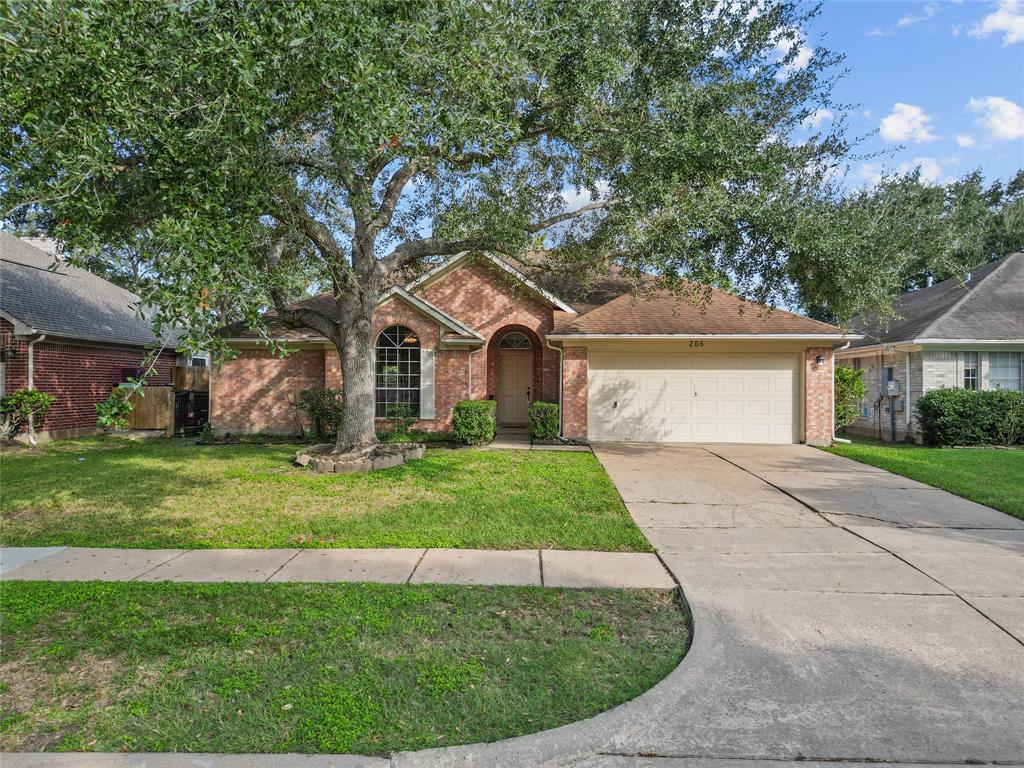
[
  {"x": 474, "y": 422},
  {"x": 849, "y": 391},
  {"x": 323, "y": 408},
  {"x": 544, "y": 421},
  {"x": 18, "y": 407},
  {"x": 971, "y": 417}
]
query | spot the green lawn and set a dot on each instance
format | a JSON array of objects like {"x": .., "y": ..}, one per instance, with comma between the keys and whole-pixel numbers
[
  {"x": 990, "y": 476},
  {"x": 318, "y": 668},
  {"x": 172, "y": 493}
]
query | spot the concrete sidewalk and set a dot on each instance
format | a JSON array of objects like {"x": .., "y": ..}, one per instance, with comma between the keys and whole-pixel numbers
[{"x": 530, "y": 567}]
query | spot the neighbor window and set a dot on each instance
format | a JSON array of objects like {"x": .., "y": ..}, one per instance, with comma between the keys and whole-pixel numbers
[
  {"x": 397, "y": 372},
  {"x": 970, "y": 370},
  {"x": 514, "y": 340},
  {"x": 1004, "y": 370}
]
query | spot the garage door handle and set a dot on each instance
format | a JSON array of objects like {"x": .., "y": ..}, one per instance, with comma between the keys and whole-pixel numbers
[{"x": 615, "y": 404}]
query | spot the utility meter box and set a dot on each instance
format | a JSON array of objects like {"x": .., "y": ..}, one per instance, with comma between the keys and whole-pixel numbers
[{"x": 892, "y": 388}]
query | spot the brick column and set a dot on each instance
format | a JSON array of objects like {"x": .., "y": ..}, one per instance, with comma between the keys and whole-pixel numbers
[
  {"x": 818, "y": 396},
  {"x": 574, "y": 392}
]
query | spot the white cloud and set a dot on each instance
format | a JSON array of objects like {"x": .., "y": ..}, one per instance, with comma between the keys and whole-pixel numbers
[
  {"x": 867, "y": 113},
  {"x": 801, "y": 60},
  {"x": 818, "y": 117},
  {"x": 1002, "y": 117},
  {"x": 907, "y": 122},
  {"x": 955, "y": 30},
  {"x": 876, "y": 32},
  {"x": 965, "y": 140},
  {"x": 574, "y": 198},
  {"x": 871, "y": 172},
  {"x": 1007, "y": 20},
  {"x": 931, "y": 169},
  {"x": 906, "y": 21}
]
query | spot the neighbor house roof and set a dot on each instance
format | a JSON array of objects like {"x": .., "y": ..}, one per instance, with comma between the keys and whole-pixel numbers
[
  {"x": 40, "y": 294},
  {"x": 985, "y": 305},
  {"x": 665, "y": 313}
]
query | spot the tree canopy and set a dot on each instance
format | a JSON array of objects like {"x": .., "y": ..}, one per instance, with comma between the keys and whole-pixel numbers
[{"x": 235, "y": 141}]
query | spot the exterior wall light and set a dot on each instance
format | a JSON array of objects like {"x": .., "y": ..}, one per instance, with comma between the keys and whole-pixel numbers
[{"x": 820, "y": 360}]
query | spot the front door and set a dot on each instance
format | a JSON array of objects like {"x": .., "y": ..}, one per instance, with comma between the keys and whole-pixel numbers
[{"x": 515, "y": 377}]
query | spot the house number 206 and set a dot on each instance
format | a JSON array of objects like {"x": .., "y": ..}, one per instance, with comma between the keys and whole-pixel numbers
[{"x": 696, "y": 344}]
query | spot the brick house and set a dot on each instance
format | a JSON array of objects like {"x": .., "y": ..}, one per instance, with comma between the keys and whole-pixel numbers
[
  {"x": 965, "y": 333},
  {"x": 69, "y": 333},
  {"x": 624, "y": 368}
]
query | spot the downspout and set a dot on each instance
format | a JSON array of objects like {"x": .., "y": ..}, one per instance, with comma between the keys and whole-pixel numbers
[
  {"x": 469, "y": 377},
  {"x": 31, "y": 382},
  {"x": 561, "y": 410}
]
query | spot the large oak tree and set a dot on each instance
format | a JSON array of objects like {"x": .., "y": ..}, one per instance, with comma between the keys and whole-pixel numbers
[{"x": 378, "y": 135}]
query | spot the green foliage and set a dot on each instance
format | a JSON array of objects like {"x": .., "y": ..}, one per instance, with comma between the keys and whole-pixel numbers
[
  {"x": 544, "y": 420},
  {"x": 902, "y": 232},
  {"x": 475, "y": 421},
  {"x": 18, "y": 408},
  {"x": 324, "y": 408},
  {"x": 113, "y": 412},
  {"x": 849, "y": 391},
  {"x": 971, "y": 417}
]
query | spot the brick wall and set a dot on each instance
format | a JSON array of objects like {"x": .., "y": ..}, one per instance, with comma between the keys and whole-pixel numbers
[
  {"x": 78, "y": 375},
  {"x": 486, "y": 300},
  {"x": 574, "y": 392},
  {"x": 250, "y": 393},
  {"x": 818, "y": 413}
]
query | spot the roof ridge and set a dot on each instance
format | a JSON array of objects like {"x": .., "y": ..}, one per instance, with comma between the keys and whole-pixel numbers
[{"x": 923, "y": 333}]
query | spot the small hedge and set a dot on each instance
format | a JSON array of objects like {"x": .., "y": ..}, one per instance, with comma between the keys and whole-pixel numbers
[
  {"x": 18, "y": 408},
  {"x": 971, "y": 417},
  {"x": 543, "y": 420},
  {"x": 474, "y": 422}
]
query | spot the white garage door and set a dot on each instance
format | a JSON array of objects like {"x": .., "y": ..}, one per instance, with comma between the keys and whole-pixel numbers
[{"x": 698, "y": 397}]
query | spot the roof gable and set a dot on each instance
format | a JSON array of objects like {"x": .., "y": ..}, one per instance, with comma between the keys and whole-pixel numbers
[
  {"x": 445, "y": 267},
  {"x": 428, "y": 309}
]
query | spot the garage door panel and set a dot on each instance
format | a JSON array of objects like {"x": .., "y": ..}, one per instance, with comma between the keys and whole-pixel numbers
[{"x": 692, "y": 397}]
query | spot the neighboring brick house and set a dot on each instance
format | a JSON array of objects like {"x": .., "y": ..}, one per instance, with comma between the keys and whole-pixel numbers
[
  {"x": 960, "y": 333},
  {"x": 69, "y": 333},
  {"x": 654, "y": 368}
]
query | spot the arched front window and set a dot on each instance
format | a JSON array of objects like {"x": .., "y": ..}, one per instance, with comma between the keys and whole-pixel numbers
[
  {"x": 514, "y": 340},
  {"x": 397, "y": 373}
]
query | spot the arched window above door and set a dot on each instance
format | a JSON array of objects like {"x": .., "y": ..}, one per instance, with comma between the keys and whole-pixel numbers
[{"x": 515, "y": 340}]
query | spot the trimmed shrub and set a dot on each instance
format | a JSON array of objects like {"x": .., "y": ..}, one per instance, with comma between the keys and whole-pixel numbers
[
  {"x": 971, "y": 417},
  {"x": 849, "y": 391},
  {"x": 474, "y": 422},
  {"x": 543, "y": 420}
]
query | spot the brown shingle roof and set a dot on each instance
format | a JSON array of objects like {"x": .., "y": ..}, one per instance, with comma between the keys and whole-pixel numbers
[
  {"x": 276, "y": 329},
  {"x": 664, "y": 312}
]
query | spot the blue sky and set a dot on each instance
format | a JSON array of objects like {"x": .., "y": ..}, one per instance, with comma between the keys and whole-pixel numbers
[{"x": 941, "y": 84}]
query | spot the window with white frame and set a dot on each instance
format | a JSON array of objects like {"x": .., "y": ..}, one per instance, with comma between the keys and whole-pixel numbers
[
  {"x": 397, "y": 370},
  {"x": 1004, "y": 370},
  {"x": 514, "y": 340},
  {"x": 970, "y": 370}
]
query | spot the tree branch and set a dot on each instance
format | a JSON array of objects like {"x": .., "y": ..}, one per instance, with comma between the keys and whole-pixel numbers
[
  {"x": 392, "y": 193},
  {"x": 560, "y": 217},
  {"x": 294, "y": 315}
]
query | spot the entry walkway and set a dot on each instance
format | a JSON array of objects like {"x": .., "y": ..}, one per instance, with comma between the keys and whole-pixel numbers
[{"x": 547, "y": 567}]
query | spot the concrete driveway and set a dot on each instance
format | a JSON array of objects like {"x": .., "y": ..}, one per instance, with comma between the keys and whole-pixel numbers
[{"x": 841, "y": 613}]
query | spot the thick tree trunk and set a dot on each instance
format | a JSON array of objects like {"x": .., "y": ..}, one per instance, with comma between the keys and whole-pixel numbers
[{"x": 355, "y": 345}]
